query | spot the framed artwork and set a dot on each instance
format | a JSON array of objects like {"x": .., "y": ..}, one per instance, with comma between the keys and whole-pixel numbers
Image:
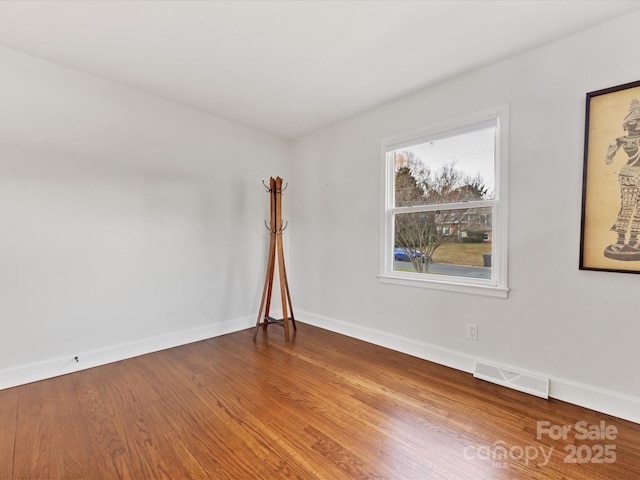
[{"x": 610, "y": 227}]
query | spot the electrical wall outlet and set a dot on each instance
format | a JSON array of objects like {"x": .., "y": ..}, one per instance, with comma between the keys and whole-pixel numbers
[
  {"x": 206, "y": 308},
  {"x": 472, "y": 331}
]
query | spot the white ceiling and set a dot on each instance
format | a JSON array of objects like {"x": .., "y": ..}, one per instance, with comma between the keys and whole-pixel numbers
[{"x": 288, "y": 67}]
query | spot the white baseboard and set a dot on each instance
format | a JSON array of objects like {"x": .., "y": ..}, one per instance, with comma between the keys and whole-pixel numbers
[
  {"x": 617, "y": 404},
  {"x": 605, "y": 401},
  {"x": 20, "y": 375},
  {"x": 612, "y": 403}
]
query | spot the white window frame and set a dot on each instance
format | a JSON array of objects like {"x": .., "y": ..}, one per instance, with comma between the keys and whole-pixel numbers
[{"x": 496, "y": 286}]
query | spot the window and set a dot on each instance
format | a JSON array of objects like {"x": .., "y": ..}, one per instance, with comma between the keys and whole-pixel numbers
[{"x": 445, "y": 208}]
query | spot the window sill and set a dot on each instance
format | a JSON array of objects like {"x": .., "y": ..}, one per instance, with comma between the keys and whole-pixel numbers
[{"x": 458, "y": 287}]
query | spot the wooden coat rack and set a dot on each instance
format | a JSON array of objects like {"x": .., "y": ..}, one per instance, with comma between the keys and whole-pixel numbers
[{"x": 275, "y": 228}]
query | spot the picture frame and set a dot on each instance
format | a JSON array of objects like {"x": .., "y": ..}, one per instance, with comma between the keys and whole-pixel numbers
[{"x": 610, "y": 223}]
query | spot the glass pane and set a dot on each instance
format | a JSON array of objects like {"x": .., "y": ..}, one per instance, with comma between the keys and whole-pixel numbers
[
  {"x": 452, "y": 169},
  {"x": 447, "y": 242}
]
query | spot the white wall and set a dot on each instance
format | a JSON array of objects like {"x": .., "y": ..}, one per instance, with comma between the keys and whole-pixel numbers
[
  {"x": 120, "y": 215},
  {"x": 580, "y": 328}
]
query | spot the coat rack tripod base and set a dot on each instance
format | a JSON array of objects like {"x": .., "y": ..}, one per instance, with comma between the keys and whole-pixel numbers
[{"x": 276, "y": 255}]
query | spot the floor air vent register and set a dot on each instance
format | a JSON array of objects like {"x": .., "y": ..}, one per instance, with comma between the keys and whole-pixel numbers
[{"x": 507, "y": 377}]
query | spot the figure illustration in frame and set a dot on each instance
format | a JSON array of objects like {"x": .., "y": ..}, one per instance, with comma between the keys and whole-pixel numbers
[{"x": 627, "y": 225}]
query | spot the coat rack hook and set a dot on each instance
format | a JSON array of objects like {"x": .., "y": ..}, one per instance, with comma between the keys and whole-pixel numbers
[{"x": 266, "y": 186}]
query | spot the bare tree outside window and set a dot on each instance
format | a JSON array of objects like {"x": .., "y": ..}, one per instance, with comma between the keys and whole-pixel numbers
[{"x": 419, "y": 234}]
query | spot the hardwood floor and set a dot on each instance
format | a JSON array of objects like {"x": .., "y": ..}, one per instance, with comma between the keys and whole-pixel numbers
[{"x": 323, "y": 406}]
